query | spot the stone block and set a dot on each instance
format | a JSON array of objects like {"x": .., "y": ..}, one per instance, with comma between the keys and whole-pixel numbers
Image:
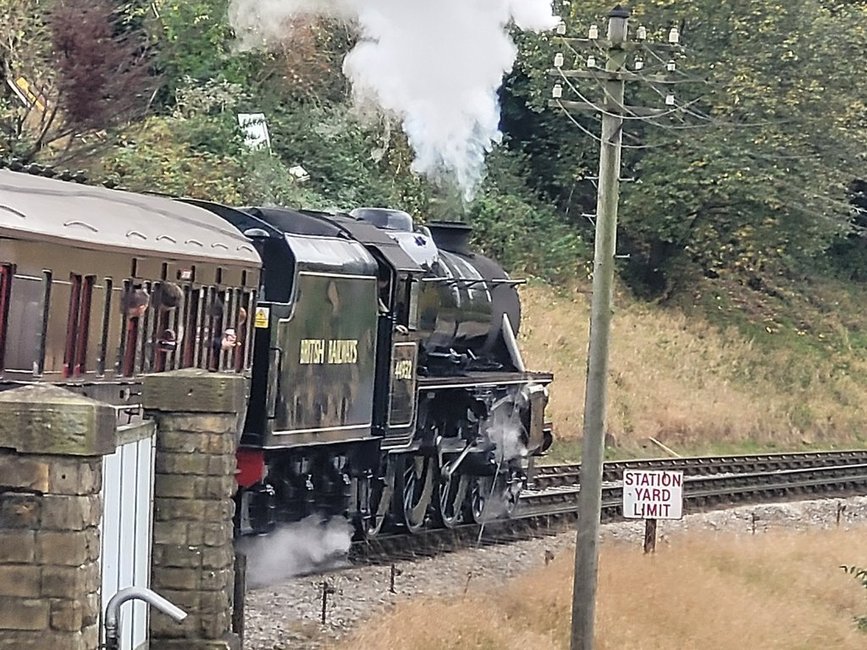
[
  {"x": 216, "y": 487},
  {"x": 67, "y": 548},
  {"x": 216, "y": 580},
  {"x": 45, "y": 419},
  {"x": 20, "y": 510},
  {"x": 203, "y": 424},
  {"x": 42, "y": 640},
  {"x": 181, "y": 556},
  {"x": 70, "y": 512},
  {"x": 90, "y": 636},
  {"x": 214, "y": 601},
  {"x": 162, "y": 627},
  {"x": 50, "y": 640},
  {"x": 192, "y": 464},
  {"x": 194, "y": 390},
  {"x": 61, "y": 581},
  {"x": 215, "y": 625},
  {"x": 166, "y": 509},
  {"x": 66, "y": 615},
  {"x": 23, "y": 472},
  {"x": 170, "y": 532},
  {"x": 221, "y": 465},
  {"x": 182, "y": 579},
  {"x": 17, "y": 546},
  {"x": 181, "y": 486},
  {"x": 189, "y": 601},
  {"x": 222, "y": 443},
  {"x": 75, "y": 477},
  {"x": 90, "y": 611},
  {"x": 218, "y": 557},
  {"x": 179, "y": 441},
  {"x": 217, "y": 534},
  {"x": 23, "y": 614},
  {"x": 22, "y": 580}
]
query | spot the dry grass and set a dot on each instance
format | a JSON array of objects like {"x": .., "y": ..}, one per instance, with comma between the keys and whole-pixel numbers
[
  {"x": 780, "y": 590},
  {"x": 690, "y": 385}
]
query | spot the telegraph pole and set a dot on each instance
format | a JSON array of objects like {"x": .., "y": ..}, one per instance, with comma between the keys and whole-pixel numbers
[
  {"x": 593, "y": 446},
  {"x": 612, "y": 77}
]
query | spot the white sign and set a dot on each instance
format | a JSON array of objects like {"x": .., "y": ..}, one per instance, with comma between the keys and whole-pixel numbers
[
  {"x": 255, "y": 130},
  {"x": 652, "y": 494}
]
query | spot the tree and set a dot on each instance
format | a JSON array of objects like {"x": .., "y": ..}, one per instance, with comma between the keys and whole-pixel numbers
[
  {"x": 96, "y": 78},
  {"x": 751, "y": 178}
]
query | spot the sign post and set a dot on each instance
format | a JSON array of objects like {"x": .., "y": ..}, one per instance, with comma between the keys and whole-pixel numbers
[{"x": 652, "y": 495}]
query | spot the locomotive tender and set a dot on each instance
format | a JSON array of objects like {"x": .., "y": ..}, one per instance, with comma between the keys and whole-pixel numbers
[{"x": 386, "y": 383}]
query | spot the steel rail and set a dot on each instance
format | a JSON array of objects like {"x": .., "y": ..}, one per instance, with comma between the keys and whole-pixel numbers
[
  {"x": 545, "y": 512},
  {"x": 568, "y": 474}
]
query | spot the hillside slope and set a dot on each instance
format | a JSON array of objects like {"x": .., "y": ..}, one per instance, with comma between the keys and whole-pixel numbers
[{"x": 698, "y": 385}]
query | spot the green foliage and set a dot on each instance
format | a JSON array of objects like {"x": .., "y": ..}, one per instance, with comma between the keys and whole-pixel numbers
[
  {"x": 752, "y": 181},
  {"x": 521, "y": 232}
]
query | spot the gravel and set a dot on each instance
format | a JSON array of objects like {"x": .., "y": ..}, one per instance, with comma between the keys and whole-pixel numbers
[{"x": 287, "y": 615}]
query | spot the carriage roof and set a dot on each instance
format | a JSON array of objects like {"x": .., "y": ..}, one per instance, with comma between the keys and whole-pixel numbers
[{"x": 100, "y": 218}]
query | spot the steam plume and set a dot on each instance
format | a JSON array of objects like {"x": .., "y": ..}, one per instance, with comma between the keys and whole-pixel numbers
[
  {"x": 307, "y": 546},
  {"x": 435, "y": 64}
]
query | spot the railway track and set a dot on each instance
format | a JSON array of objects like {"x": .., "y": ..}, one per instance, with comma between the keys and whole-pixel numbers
[{"x": 709, "y": 483}]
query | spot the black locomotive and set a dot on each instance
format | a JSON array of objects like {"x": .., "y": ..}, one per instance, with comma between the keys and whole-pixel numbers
[{"x": 386, "y": 383}]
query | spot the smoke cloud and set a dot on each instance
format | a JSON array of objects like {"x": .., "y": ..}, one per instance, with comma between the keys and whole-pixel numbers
[
  {"x": 434, "y": 64},
  {"x": 308, "y": 546}
]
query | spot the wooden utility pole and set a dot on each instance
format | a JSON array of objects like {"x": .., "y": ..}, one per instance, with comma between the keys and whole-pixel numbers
[
  {"x": 613, "y": 77},
  {"x": 593, "y": 449}
]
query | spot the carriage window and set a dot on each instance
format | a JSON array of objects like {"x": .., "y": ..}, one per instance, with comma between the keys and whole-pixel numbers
[
  {"x": 242, "y": 329},
  {"x": 6, "y": 272},
  {"x": 136, "y": 301},
  {"x": 39, "y": 365},
  {"x": 214, "y": 339},
  {"x": 200, "y": 330},
  {"x": 168, "y": 299},
  {"x": 188, "y": 355},
  {"x": 78, "y": 325},
  {"x": 106, "y": 321}
]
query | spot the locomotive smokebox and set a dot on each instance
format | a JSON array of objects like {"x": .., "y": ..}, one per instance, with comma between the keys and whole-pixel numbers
[{"x": 453, "y": 236}]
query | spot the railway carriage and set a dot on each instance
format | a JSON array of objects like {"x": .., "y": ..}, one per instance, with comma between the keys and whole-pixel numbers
[{"x": 99, "y": 287}]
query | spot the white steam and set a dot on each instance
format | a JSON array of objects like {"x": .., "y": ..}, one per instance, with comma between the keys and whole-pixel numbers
[
  {"x": 308, "y": 546},
  {"x": 435, "y": 64},
  {"x": 505, "y": 430}
]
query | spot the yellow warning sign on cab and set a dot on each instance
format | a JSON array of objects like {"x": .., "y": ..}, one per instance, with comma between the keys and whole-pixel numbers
[{"x": 263, "y": 317}]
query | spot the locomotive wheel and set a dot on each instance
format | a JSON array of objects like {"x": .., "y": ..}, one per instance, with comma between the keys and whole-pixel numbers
[
  {"x": 494, "y": 497},
  {"x": 379, "y": 501},
  {"x": 418, "y": 485},
  {"x": 480, "y": 498},
  {"x": 452, "y": 495}
]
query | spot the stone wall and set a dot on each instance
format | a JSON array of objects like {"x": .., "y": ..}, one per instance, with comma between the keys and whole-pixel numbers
[
  {"x": 193, "y": 557},
  {"x": 51, "y": 447}
]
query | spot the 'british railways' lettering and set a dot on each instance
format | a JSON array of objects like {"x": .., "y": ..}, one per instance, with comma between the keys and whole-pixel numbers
[{"x": 328, "y": 351}]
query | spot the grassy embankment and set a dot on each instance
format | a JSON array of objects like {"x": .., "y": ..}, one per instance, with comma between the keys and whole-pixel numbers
[
  {"x": 729, "y": 370},
  {"x": 780, "y": 590}
]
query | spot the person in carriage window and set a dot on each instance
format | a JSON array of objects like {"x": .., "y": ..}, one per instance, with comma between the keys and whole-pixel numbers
[{"x": 170, "y": 296}]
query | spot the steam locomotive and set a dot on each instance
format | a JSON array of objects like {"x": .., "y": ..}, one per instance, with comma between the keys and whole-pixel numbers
[{"x": 386, "y": 382}]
